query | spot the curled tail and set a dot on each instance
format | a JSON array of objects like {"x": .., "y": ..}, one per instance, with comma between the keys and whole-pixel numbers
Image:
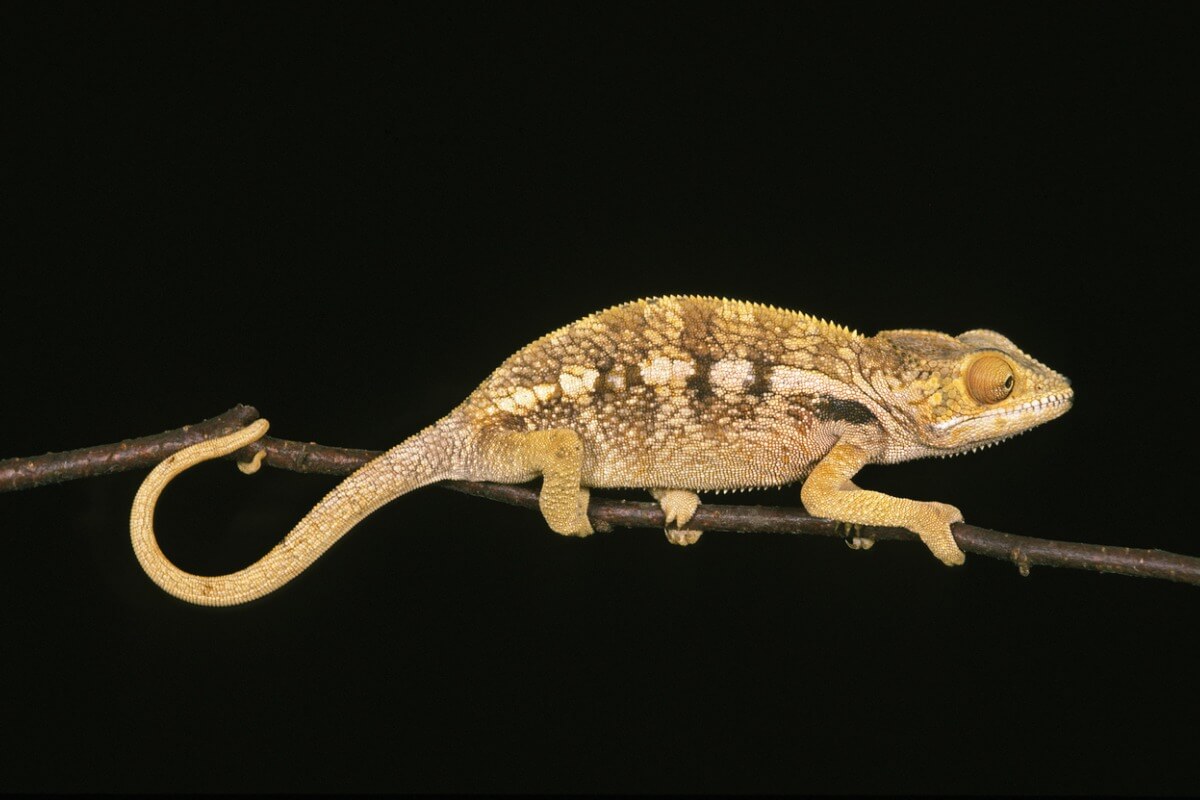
[{"x": 419, "y": 460}]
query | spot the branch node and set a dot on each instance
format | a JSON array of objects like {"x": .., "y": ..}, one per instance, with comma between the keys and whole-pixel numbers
[{"x": 1018, "y": 557}]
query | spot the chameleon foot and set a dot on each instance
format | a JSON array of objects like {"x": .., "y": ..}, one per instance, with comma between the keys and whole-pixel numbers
[
  {"x": 933, "y": 527},
  {"x": 852, "y": 538},
  {"x": 579, "y": 526},
  {"x": 678, "y": 506}
]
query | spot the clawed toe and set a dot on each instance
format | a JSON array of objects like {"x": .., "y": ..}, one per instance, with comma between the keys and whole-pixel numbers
[
  {"x": 682, "y": 537},
  {"x": 678, "y": 505}
]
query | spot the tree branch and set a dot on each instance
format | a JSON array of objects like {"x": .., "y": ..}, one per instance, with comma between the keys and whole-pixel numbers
[{"x": 146, "y": 452}]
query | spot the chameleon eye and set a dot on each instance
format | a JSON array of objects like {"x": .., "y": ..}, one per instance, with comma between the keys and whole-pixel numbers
[{"x": 990, "y": 379}]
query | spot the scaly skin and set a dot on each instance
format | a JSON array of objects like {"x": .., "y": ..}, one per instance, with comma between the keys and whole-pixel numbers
[{"x": 677, "y": 395}]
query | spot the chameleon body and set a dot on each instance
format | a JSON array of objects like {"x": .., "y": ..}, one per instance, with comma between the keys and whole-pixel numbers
[{"x": 677, "y": 395}]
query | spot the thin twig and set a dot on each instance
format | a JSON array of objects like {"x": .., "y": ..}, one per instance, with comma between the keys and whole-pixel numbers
[
  {"x": 107, "y": 459},
  {"x": 146, "y": 452}
]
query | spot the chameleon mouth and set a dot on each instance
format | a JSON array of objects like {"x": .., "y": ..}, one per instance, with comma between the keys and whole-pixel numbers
[
  {"x": 1050, "y": 402},
  {"x": 1040, "y": 408},
  {"x": 1024, "y": 417}
]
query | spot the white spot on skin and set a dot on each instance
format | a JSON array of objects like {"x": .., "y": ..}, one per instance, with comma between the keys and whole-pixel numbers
[
  {"x": 572, "y": 385},
  {"x": 507, "y": 404},
  {"x": 657, "y": 371},
  {"x": 663, "y": 371},
  {"x": 731, "y": 373},
  {"x": 524, "y": 397},
  {"x": 792, "y": 380},
  {"x": 544, "y": 391},
  {"x": 681, "y": 371},
  {"x": 616, "y": 380},
  {"x": 575, "y": 380}
]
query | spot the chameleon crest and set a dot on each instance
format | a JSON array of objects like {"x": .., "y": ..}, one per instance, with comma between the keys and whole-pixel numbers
[{"x": 676, "y": 395}]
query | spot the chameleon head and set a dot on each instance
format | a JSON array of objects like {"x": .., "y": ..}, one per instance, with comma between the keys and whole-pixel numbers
[{"x": 971, "y": 390}]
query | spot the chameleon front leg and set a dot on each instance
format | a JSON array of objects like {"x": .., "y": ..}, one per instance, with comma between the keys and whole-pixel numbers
[
  {"x": 828, "y": 492},
  {"x": 678, "y": 505},
  {"x": 558, "y": 456}
]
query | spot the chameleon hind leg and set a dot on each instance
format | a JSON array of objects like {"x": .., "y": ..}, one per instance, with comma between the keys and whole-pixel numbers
[
  {"x": 557, "y": 455},
  {"x": 678, "y": 506}
]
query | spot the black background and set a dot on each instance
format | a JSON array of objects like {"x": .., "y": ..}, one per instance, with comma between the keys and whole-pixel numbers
[{"x": 347, "y": 216}]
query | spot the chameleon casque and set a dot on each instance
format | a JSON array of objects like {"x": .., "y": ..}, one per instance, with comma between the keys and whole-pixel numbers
[{"x": 676, "y": 395}]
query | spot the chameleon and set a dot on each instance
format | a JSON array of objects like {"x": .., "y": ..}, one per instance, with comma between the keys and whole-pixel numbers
[{"x": 676, "y": 395}]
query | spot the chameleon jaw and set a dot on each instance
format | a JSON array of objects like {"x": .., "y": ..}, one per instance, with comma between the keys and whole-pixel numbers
[
  {"x": 1041, "y": 409},
  {"x": 1038, "y": 406},
  {"x": 1008, "y": 422}
]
